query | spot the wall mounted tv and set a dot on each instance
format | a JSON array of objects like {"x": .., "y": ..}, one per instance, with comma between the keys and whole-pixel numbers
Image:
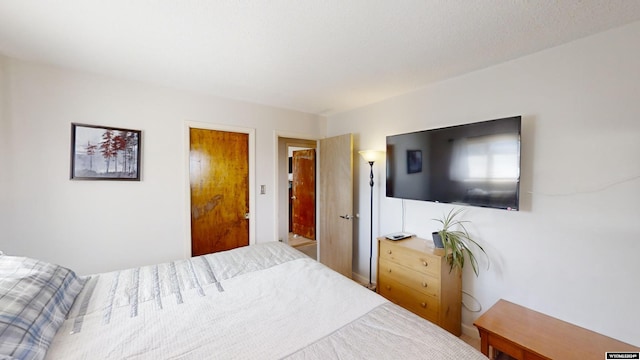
[{"x": 474, "y": 164}]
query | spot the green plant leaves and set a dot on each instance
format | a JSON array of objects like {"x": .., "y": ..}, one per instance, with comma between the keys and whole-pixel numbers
[{"x": 456, "y": 240}]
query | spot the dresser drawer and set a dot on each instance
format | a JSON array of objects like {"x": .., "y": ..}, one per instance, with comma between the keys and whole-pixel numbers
[
  {"x": 419, "y": 261},
  {"x": 424, "y": 283},
  {"x": 424, "y": 305}
]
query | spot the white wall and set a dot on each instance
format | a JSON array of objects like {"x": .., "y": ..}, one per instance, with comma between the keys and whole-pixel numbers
[
  {"x": 94, "y": 226},
  {"x": 572, "y": 250},
  {"x": 4, "y": 147}
]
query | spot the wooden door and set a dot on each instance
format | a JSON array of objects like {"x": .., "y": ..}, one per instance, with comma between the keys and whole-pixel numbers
[
  {"x": 303, "y": 194},
  {"x": 219, "y": 184},
  {"x": 336, "y": 203}
]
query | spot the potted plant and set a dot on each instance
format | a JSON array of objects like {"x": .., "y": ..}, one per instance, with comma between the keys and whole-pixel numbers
[{"x": 456, "y": 241}]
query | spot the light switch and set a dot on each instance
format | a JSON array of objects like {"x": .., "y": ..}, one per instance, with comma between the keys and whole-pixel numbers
[{"x": 263, "y": 189}]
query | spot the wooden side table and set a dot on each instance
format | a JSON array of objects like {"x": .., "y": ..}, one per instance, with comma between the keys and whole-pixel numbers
[{"x": 525, "y": 334}]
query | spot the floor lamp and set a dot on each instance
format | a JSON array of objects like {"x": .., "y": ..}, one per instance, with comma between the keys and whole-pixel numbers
[{"x": 371, "y": 156}]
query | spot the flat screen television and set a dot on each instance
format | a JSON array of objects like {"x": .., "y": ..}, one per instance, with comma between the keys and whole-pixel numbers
[{"x": 475, "y": 164}]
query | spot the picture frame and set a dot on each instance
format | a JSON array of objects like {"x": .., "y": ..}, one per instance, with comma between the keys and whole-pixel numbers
[
  {"x": 105, "y": 153},
  {"x": 414, "y": 161}
]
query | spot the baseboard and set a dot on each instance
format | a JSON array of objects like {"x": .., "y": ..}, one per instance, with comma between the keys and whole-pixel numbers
[
  {"x": 361, "y": 279},
  {"x": 470, "y": 331}
]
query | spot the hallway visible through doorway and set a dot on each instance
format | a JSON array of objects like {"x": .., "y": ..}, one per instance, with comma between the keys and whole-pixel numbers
[
  {"x": 307, "y": 246},
  {"x": 297, "y": 194}
]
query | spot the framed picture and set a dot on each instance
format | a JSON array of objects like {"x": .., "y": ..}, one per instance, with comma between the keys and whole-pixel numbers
[
  {"x": 104, "y": 153},
  {"x": 414, "y": 161}
]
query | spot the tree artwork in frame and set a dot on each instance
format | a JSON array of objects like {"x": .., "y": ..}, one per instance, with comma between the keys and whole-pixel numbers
[{"x": 104, "y": 153}]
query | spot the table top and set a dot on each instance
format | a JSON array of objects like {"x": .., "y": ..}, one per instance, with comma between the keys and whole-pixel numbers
[
  {"x": 416, "y": 243},
  {"x": 546, "y": 335}
]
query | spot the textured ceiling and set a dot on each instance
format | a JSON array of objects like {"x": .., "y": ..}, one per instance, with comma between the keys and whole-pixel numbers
[{"x": 320, "y": 57}]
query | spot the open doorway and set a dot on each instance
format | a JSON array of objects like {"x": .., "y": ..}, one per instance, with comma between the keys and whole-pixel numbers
[
  {"x": 299, "y": 183},
  {"x": 334, "y": 202}
]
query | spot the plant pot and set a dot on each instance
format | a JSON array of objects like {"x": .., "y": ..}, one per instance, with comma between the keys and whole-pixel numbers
[{"x": 437, "y": 240}]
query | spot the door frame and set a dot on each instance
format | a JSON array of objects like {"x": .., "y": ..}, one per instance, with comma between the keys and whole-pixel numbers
[
  {"x": 252, "y": 170},
  {"x": 277, "y": 135}
]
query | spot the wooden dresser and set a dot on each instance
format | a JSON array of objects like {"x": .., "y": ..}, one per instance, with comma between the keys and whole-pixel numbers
[{"x": 415, "y": 275}]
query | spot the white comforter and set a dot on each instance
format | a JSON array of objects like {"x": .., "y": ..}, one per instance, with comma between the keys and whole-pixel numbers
[{"x": 260, "y": 302}]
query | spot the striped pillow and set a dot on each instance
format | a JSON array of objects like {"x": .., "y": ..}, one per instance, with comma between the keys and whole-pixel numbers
[{"x": 35, "y": 298}]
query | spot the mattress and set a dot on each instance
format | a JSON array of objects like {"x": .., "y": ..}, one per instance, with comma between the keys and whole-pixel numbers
[{"x": 265, "y": 301}]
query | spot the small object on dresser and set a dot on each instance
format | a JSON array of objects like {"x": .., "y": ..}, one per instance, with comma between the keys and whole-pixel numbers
[
  {"x": 437, "y": 240},
  {"x": 399, "y": 236}
]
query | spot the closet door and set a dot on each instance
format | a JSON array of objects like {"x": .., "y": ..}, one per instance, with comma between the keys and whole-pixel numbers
[{"x": 219, "y": 185}]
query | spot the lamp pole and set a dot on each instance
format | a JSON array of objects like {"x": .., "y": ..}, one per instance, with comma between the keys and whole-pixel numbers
[
  {"x": 371, "y": 225},
  {"x": 371, "y": 156}
]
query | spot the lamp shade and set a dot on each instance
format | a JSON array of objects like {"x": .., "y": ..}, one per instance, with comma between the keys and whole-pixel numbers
[{"x": 371, "y": 155}]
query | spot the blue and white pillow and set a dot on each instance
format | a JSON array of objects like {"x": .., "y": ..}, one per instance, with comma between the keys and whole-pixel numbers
[{"x": 35, "y": 298}]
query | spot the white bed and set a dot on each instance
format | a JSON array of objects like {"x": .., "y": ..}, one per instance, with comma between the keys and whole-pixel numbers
[{"x": 266, "y": 301}]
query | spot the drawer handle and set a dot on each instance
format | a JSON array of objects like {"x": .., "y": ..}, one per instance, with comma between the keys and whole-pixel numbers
[
  {"x": 423, "y": 304},
  {"x": 424, "y": 284},
  {"x": 389, "y": 270},
  {"x": 388, "y": 287},
  {"x": 425, "y": 263},
  {"x": 388, "y": 251}
]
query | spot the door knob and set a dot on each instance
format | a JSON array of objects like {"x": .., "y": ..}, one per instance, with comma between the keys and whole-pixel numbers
[
  {"x": 347, "y": 216},
  {"x": 293, "y": 197}
]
